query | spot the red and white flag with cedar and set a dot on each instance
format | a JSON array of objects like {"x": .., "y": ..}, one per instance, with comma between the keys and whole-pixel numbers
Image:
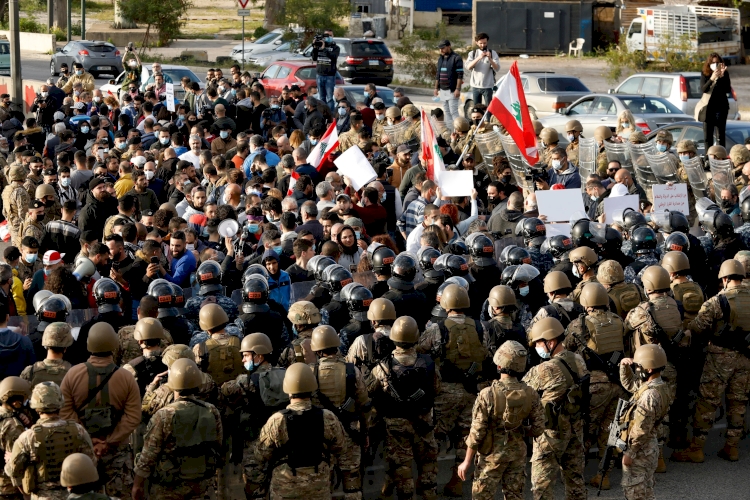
[
  {"x": 508, "y": 105},
  {"x": 430, "y": 153},
  {"x": 323, "y": 148},
  {"x": 292, "y": 182}
]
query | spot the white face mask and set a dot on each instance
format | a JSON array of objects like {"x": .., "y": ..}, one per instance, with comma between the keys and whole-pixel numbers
[
  {"x": 713, "y": 66},
  {"x": 149, "y": 174}
]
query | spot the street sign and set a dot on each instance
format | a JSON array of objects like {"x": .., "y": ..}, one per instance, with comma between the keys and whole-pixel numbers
[
  {"x": 243, "y": 12},
  {"x": 243, "y": 3}
]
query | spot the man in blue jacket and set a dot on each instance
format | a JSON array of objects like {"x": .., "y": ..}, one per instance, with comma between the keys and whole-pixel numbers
[
  {"x": 279, "y": 282},
  {"x": 16, "y": 351},
  {"x": 562, "y": 172},
  {"x": 183, "y": 261}
]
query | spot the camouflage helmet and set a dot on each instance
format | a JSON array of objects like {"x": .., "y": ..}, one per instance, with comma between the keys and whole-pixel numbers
[
  {"x": 655, "y": 278},
  {"x": 548, "y": 328},
  {"x": 610, "y": 272},
  {"x": 78, "y": 469},
  {"x": 212, "y": 316},
  {"x": 650, "y": 356},
  {"x": 511, "y": 356},
  {"x": 46, "y": 397},
  {"x": 299, "y": 379},
  {"x": 454, "y": 297},
  {"x": 665, "y": 135},
  {"x": 687, "y": 146},
  {"x": 176, "y": 351},
  {"x": 381, "y": 309},
  {"x": 594, "y": 295},
  {"x": 675, "y": 262},
  {"x": 184, "y": 374},
  {"x": 148, "y": 328},
  {"x": 410, "y": 111},
  {"x": 102, "y": 338},
  {"x": 259, "y": 343},
  {"x": 731, "y": 267},
  {"x": 637, "y": 137},
  {"x": 303, "y": 312},
  {"x": 461, "y": 124},
  {"x": 502, "y": 296},
  {"x": 43, "y": 190},
  {"x": 602, "y": 133},
  {"x": 549, "y": 135},
  {"x": 538, "y": 127},
  {"x": 14, "y": 386},
  {"x": 405, "y": 329},
  {"x": 324, "y": 337},
  {"x": 556, "y": 281},
  {"x": 393, "y": 112},
  {"x": 573, "y": 125},
  {"x": 17, "y": 173},
  {"x": 739, "y": 155},
  {"x": 57, "y": 334},
  {"x": 743, "y": 257},
  {"x": 584, "y": 255},
  {"x": 718, "y": 151}
]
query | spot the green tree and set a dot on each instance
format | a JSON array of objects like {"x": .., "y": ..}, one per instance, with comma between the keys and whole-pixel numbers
[
  {"x": 316, "y": 15},
  {"x": 166, "y": 16}
]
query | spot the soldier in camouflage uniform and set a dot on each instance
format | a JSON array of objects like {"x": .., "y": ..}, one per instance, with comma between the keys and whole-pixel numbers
[
  {"x": 129, "y": 348},
  {"x": 351, "y": 137},
  {"x": 585, "y": 262},
  {"x": 602, "y": 134},
  {"x": 648, "y": 408},
  {"x": 32, "y": 225},
  {"x": 56, "y": 339},
  {"x": 182, "y": 445},
  {"x": 29, "y": 250},
  {"x": 304, "y": 317},
  {"x": 14, "y": 391},
  {"x": 378, "y": 124},
  {"x": 369, "y": 349},
  {"x": 744, "y": 230},
  {"x": 560, "y": 448},
  {"x": 219, "y": 356},
  {"x": 15, "y": 202},
  {"x": 59, "y": 438},
  {"x": 80, "y": 476},
  {"x": 413, "y": 134},
  {"x": 557, "y": 287},
  {"x": 724, "y": 319},
  {"x": 625, "y": 296},
  {"x": 498, "y": 429},
  {"x": 460, "y": 137},
  {"x": 211, "y": 291},
  {"x": 502, "y": 327},
  {"x": 34, "y": 177},
  {"x": 574, "y": 131},
  {"x": 686, "y": 150},
  {"x": 299, "y": 444},
  {"x": 409, "y": 422},
  {"x": 52, "y": 208},
  {"x": 550, "y": 139},
  {"x": 644, "y": 246}
]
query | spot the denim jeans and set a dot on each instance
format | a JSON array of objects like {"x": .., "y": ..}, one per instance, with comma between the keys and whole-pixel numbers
[
  {"x": 325, "y": 89},
  {"x": 450, "y": 108},
  {"x": 481, "y": 95}
]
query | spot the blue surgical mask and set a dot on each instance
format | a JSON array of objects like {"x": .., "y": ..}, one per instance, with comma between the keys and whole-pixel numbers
[
  {"x": 576, "y": 272},
  {"x": 342, "y": 111},
  {"x": 328, "y": 39},
  {"x": 625, "y": 125},
  {"x": 524, "y": 291},
  {"x": 234, "y": 91},
  {"x": 249, "y": 366},
  {"x": 357, "y": 234},
  {"x": 65, "y": 182},
  {"x": 313, "y": 141},
  {"x": 556, "y": 164},
  {"x": 294, "y": 331},
  {"x": 31, "y": 257},
  {"x": 47, "y": 272},
  {"x": 181, "y": 117},
  {"x": 277, "y": 249},
  {"x": 275, "y": 106},
  {"x": 543, "y": 353},
  {"x": 224, "y": 134},
  {"x": 252, "y": 228},
  {"x": 594, "y": 198},
  {"x": 382, "y": 198},
  {"x": 79, "y": 72},
  {"x": 85, "y": 130},
  {"x": 164, "y": 140},
  {"x": 661, "y": 148},
  {"x": 571, "y": 138},
  {"x": 684, "y": 158},
  {"x": 122, "y": 145}
]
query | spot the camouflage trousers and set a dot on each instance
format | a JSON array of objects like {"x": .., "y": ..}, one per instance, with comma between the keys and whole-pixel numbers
[
  {"x": 453, "y": 416},
  {"x": 603, "y": 404},
  {"x": 638, "y": 477},
  {"x": 252, "y": 472},
  {"x": 306, "y": 484},
  {"x": 726, "y": 372},
  {"x": 556, "y": 452},
  {"x": 184, "y": 490},
  {"x": 489, "y": 474},
  {"x": 58, "y": 494},
  {"x": 12, "y": 496},
  {"x": 352, "y": 478},
  {"x": 404, "y": 442},
  {"x": 116, "y": 472}
]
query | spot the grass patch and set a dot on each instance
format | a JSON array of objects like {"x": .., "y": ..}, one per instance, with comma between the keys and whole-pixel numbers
[{"x": 190, "y": 61}]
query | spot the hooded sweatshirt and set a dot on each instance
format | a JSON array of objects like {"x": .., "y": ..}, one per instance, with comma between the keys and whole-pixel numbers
[{"x": 16, "y": 353}]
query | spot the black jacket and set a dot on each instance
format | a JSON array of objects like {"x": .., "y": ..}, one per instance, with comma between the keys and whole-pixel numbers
[
  {"x": 719, "y": 103},
  {"x": 95, "y": 213},
  {"x": 327, "y": 58}
]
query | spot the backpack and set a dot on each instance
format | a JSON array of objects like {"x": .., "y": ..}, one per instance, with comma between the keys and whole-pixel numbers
[
  {"x": 222, "y": 361},
  {"x": 197, "y": 444},
  {"x": 626, "y": 297},
  {"x": 410, "y": 388},
  {"x": 463, "y": 352},
  {"x": 691, "y": 296},
  {"x": 577, "y": 397},
  {"x": 510, "y": 407},
  {"x": 558, "y": 312}
]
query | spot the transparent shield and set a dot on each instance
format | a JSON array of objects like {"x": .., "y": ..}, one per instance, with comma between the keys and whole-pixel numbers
[
  {"x": 367, "y": 279},
  {"x": 664, "y": 167},
  {"x": 704, "y": 205},
  {"x": 643, "y": 173},
  {"x": 300, "y": 290},
  {"x": 237, "y": 297},
  {"x": 721, "y": 176},
  {"x": 661, "y": 219},
  {"x": 397, "y": 133},
  {"x": 619, "y": 152},
  {"x": 587, "y": 152},
  {"x": 697, "y": 178},
  {"x": 744, "y": 193},
  {"x": 598, "y": 231},
  {"x": 489, "y": 143},
  {"x": 579, "y": 215},
  {"x": 525, "y": 272}
]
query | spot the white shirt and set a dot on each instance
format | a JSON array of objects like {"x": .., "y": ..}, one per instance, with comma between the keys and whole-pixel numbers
[
  {"x": 192, "y": 158},
  {"x": 412, "y": 241},
  {"x": 481, "y": 73}
]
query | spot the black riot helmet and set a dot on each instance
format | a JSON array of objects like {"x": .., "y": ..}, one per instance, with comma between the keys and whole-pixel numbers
[
  {"x": 533, "y": 231},
  {"x": 717, "y": 223},
  {"x": 382, "y": 260},
  {"x": 644, "y": 240},
  {"x": 209, "y": 277},
  {"x": 179, "y": 298},
  {"x": 518, "y": 256},
  {"x": 506, "y": 278},
  {"x": 358, "y": 301},
  {"x": 52, "y": 309},
  {"x": 745, "y": 209},
  {"x": 632, "y": 219},
  {"x": 581, "y": 235},
  {"x": 676, "y": 222},
  {"x": 255, "y": 295},
  {"x": 403, "y": 271},
  {"x": 558, "y": 245},
  {"x": 678, "y": 242},
  {"x": 317, "y": 264},
  {"x": 253, "y": 270},
  {"x": 482, "y": 250},
  {"x": 165, "y": 298},
  {"x": 454, "y": 265},
  {"x": 427, "y": 257},
  {"x": 107, "y": 295},
  {"x": 458, "y": 247},
  {"x": 337, "y": 277}
]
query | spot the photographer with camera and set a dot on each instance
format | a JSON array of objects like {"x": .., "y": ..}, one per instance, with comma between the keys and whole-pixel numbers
[
  {"x": 562, "y": 172},
  {"x": 44, "y": 106},
  {"x": 132, "y": 64},
  {"x": 326, "y": 53},
  {"x": 483, "y": 63}
]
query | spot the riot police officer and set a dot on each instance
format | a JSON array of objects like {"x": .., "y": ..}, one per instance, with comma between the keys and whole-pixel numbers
[
  {"x": 334, "y": 313},
  {"x": 357, "y": 299},
  {"x": 433, "y": 278},
  {"x": 643, "y": 240},
  {"x": 559, "y": 247},
  {"x": 257, "y": 316},
  {"x": 726, "y": 243},
  {"x": 406, "y": 299},
  {"x": 534, "y": 233},
  {"x": 319, "y": 295},
  {"x": 209, "y": 277},
  {"x": 170, "y": 318},
  {"x": 382, "y": 260},
  {"x": 483, "y": 268}
]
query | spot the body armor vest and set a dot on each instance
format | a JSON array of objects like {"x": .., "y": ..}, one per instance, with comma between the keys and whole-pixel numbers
[
  {"x": 222, "y": 361},
  {"x": 558, "y": 312},
  {"x": 410, "y": 390},
  {"x": 626, "y": 297},
  {"x": 51, "y": 445},
  {"x": 666, "y": 313},
  {"x": 146, "y": 369},
  {"x": 196, "y": 443},
  {"x": 99, "y": 419},
  {"x": 42, "y": 372},
  {"x": 306, "y": 432},
  {"x": 606, "y": 333},
  {"x": 691, "y": 296}
]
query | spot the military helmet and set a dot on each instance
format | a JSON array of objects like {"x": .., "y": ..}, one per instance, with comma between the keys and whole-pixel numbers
[
  {"x": 538, "y": 127},
  {"x": 650, "y": 356},
  {"x": 381, "y": 309},
  {"x": 107, "y": 295},
  {"x": 78, "y": 469},
  {"x": 393, "y": 112},
  {"x": 558, "y": 245},
  {"x": 511, "y": 356},
  {"x": 184, "y": 374},
  {"x": 502, "y": 296},
  {"x": 299, "y": 379},
  {"x": 39, "y": 298},
  {"x": 678, "y": 242},
  {"x": 212, "y": 316},
  {"x": 317, "y": 265},
  {"x": 46, "y": 397},
  {"x": 427, "y": 257},
  {"x": 745, "y": 209},
  {"x": 453, "y": 265},
  {"x": 405, "y": 330},
  {"x": 43, "y": 190},
  {"x": 665, "y": 135},
  {"x": 687, "y": 146},
  {"x": 324, "y": 337},
  {"x": 655, "y": 279},
  {"x": 53, "y": 309},
  {"x": 358, "y": 301},
  {"x": 548, "y": 328},
  {"x": 602, "y": 133},
  {"x": 731, "y": 267},
  {"x": 556, "y": 281},
  {"x": 549, "y": 136},
  {"x": 482, "y": 250},
  {"x": 403, "y": 271},
  {"x": 409, "y": 111},
  {"x": 454, "y": 297},
  {"x": 165, "y": 298},
  {"x": 739, "y": 155},
  {"x": 255, "y": 270},
  {"x": 148, "y": 328},
  {"x": 610, "y": 272},
  {"x": 14, "y": 386},
  {"x": 259, "y": 343},
  {"x": 303, "y": 312},
  {"x": 17, "y": 173},
  {"x": 461, "y": 124},
  {"x": 584, "y": 255},
  {"x": 573, "y": 125},
  {"x": 176, "y": 351},
  {"x": 644, "y": 240},
  {"x": 594, "y": 295},
  {"x": 382, "y": 260},
  {"x": 337, "y": 277},
  {"x": 675, "y": 261},
  {"x": 743, "y": 257},
  {"x": 255, "y": 290},
  {"x": 718, "y": 151},
  {"x": 637, "y": 137},
  {"x": 102, "y": 338},
  {"x": 209, "y": 277},
  {"x": 57, "y": 334}
]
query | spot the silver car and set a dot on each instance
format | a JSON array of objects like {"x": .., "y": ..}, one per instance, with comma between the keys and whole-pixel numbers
[
  {"x": 681, "y": 89},
  {"x": 287, "y": 50},
  {"x": 97, "y": 57},
  {"x": 595, "y": 110},
  {"x": 266, "y": 43}
]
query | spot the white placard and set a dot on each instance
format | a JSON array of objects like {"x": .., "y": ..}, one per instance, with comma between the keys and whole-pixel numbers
[
  {"x": 354, "y": 165},
  {"x": 456, "y": 182},
  {"x": 555, "y": 229},
  {"x": 673, "y": 198},
  {"x": 612, "y": 205},
  {"x": 559, "y": 205},
  {"x": 170, "y": 97}
]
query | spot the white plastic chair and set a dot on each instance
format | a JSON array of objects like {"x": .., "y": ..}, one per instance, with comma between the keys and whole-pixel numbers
[{"x": 576, "y": 46}]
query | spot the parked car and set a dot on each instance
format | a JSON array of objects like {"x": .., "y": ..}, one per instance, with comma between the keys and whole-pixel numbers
[
  {"x": 97, "y": 57},
  {"x": 356, "y": 93},
  {"x": 361, "y": 60},
  {"x": 546, "y": 92},
  {"x": 174, "y": 72},
  {"x": 287, "y": 50},
  {"x": 266, "y": 43},
  {"x": 4, "y": 57},
  {"x": 737, "y": 133},
  {"x": 288, "y": 73},
  {"x": 681, "y": 89},
  {"x": 602, "y": 109}
]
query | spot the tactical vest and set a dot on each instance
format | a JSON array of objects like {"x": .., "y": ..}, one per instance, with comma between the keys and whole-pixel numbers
[
  {"x": 269, "y": 396},
  {"x": 735, "y": 322},
  {"x": 499, "y": 334},
  {"x": 666, "y": 314},
  {"x": 304, "y": 446},
  {"x": 555, "y": 310},
  {"x": 606, "y": 333},
  {"x": 510, "y": 406},
  {"x": 146, "y": 369},
  {"x": 463, "y": 352},
  {"x": 99, "y": 419},
  {"x": 631, "y": 416},
  {"x": 410, "y": 391},
  {"x": 196, "y": 444},
  {"x": 51, "y": 444},
  {"x": 337, "y": 390},
  {"x": 379, "y": 347},
  {"x": 42, "y": 372},
  {"x": 691, "y": 296},
  {"x": 303, "y": 352},
  {"x": 223, "y": 361},
  {"x": 575, "y": 404},
  {"x": 626, "y": 297}
]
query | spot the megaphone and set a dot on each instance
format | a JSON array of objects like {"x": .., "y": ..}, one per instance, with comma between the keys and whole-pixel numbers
[
  {"x": 84, "y": 269},
  {"x": 228, "y": 228}
]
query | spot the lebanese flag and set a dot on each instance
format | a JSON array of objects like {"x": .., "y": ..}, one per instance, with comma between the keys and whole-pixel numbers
[
  {"x": 509, "y": 107},
  {"x": 292, "y": 182},
  {"x": 430, "y": 153},
  {"x": 323, "y": 148}
]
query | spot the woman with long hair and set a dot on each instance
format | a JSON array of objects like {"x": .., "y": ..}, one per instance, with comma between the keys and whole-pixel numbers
[
  {"x": 296, "y": 139},
  {"x": 62, "y": 281},
  {"x": 715, "y": 81},
  {"x": 350, "y": 250},
  {"x": 625, "y": 125}
]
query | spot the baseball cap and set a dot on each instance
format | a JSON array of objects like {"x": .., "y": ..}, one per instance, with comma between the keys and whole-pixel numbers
[
  {"x": 343, "y": 195},
  {"x": 354, "y": 222},
  {"x": 52, "y": 257},
  {"x": 79, "y": 105},
  {"x": 444, "y": 43},
  {"x": 58, "y": 116},
  {"x": 402, "y": 148},
  {"x": 618, "y": 190}
]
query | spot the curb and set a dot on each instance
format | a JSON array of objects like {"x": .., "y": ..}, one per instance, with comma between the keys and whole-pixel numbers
[{"x": 415, "y": 90}]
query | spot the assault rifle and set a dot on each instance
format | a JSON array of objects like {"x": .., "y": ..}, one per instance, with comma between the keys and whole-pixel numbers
[{"x": 614, "y": 441}]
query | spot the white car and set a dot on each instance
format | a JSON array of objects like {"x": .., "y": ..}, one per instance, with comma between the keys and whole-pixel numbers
[
  {"x": 174, "y": 72},
  {"x": 266, "y": 43}
]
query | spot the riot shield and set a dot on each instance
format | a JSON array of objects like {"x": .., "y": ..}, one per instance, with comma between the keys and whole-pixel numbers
[
  {"x": 23, "y": 325},
  {"x": 237, "y": 297},
  {"x": 696, "y": 176},
  {"x": 517, "y": 165},
  {"x": 598, "y": 232},
  {"x": 664, "y": 167},
  {"x": 640, "y": 167},
  {"x": 366, "y": 279},
  {"x": 721, "y": 176},
  {"x": 300, "y": 290},
  {"x": 617, "y": 152},
  {"x": 587, "y": 149},
  {"x": 397, "y": 133},
  {"x": 744, "y": 193},
  {"x": 489, "y": 145}
]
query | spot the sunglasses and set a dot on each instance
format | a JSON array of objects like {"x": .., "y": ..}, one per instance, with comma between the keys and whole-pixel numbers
[{"x": 612, "y": 169}]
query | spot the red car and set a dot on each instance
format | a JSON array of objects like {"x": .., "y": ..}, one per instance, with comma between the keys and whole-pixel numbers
[{"x": 287, "y": 73}]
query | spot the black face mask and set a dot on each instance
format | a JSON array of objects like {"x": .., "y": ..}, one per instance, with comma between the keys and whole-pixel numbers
[
  {"x": 40, "y": 217},
  {"x": 49, "y": 203},
  {"x": 641, "y": 373},
  {"x": 727, "y": 205},
  {"x": 507, "y": 179}
]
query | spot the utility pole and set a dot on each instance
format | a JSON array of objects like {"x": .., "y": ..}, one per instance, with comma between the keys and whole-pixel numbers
[
  {"x": 83, "y": 19},
  {"x": 70, "y": 24},
  {"x": 50, "y": 14},
  {"x": 16, "y": 91}
]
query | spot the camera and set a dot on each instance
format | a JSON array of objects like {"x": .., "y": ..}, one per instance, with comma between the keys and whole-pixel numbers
[
  {"x": 535, "y": 174},
  {"x": 131, "y": 46},
  {"x": 319, "y": 41},
  {"x": 207, "y": 110},
  {"x": 266, "y": 113}
]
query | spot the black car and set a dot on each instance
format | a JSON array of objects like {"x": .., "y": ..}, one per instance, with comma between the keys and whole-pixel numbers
[{"x": 362, "y": 60}]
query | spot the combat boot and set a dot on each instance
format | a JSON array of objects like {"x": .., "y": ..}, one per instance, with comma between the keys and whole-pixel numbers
[
  {"x": 693, "y": 453},
  {"x": 596, "y": 480},
  {"x": 454, "y": 487},
  {"x": 729, "y": 452},
  {"x": 661, "y": 467},
  {"x": 388, "y": 486}
]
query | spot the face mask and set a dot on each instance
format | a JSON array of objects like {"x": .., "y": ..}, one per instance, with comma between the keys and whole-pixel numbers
[
  {"x": 79, "y": 72},
  {"x": 40, "y": 217},
  {"x": 524, "y": 291},
  {"x": 380, "y": 118},
  {"x": 507, "y": 179},
  {"x": 190, "y": 247},
  {"x": 684, "y": 158},
  {"x": 277, "y": 249},
  {"x": 576, "y": 272},
  {"x": 382, "y": 198},
  {"x": 328, "y": 39},
  {"x": 342, "y": 112},
  {"x": 76, "y": 93},
  {"x": 234, "y": 91},
  {"x": 133, "y": 64},
  {"x": 661, "y": 148},
  {"x": 122, "y": 145},
  {"x": 275, "y": 106},
  {"x": 181, "y": 117},
  {"x": 556, "y": 164},
  {"x": 357, "y": 234},
  {"x": 97, "y": 98},
  {"x": 252, "y": 228},
  {"x": 149, "y": 174},
  {"x": 45, "y": 94},
  {"x": 726, "y": 204},
  {"x": 164, "y": 141},
  {"x": 641, "y": 374},
  {"x": 313, "y": 141},
  {"x": 625, "y": 125},
  {"x": 31, "y": 257},
  {"x": 224, "y": 134},
  {"x": 594, "y": 198},
  {"x": 85, "y": 130},
  {"x": 542, "y": 352},
  {"x": 571, "y": 138},
  {"x": 65, "y": 182},
  {"x": 713, "y": 66},
  {"x": 249, "y": 366}
]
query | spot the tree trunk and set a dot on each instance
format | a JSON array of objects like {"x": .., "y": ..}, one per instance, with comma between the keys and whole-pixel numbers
[
  {"x": 60, "y": 16},
  {"x": 272, "y": 13},
  {"x": 121, "y": 22}
]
